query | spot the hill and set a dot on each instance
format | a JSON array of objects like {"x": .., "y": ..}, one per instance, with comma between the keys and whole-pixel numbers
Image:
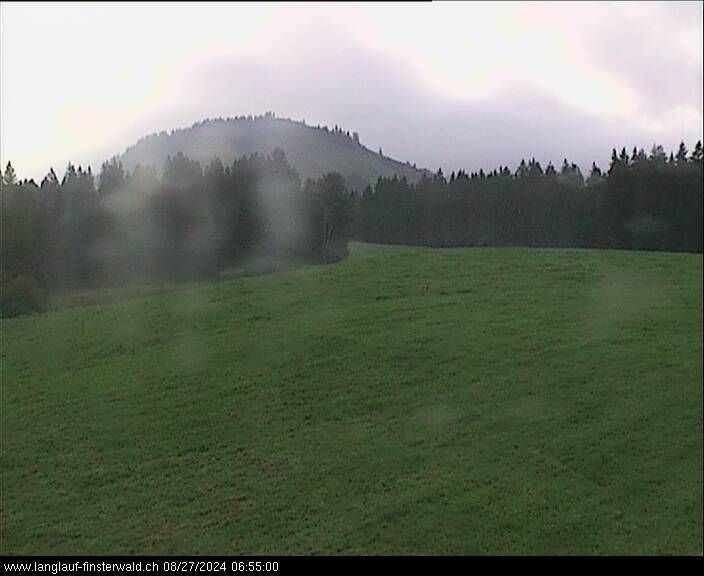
[
  {"x": 313, "y": 151},
  {"x": 401, "y": 401}
]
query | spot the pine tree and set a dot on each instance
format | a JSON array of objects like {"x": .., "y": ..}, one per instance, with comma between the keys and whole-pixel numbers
[
  {"x": 112, "y": 177},
  {"x": 615, "y": 162},
  {"x": 681, "y": 157},
  {"x": 50, "y": 179},
  {"x": 657, "y": 155},
  {"x": 595, "y": 176},
  {"x": 9, "y": 178}
]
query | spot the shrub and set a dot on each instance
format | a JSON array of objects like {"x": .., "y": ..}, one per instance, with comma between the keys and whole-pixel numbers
[{"x": 22, "y": 295}]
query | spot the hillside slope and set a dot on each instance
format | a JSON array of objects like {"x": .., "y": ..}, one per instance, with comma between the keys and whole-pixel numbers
[
  {"x": 404, "y": 400},
  {"x": 312, "y": 151}
]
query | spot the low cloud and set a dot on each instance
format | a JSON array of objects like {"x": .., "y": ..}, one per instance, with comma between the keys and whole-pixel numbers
[
  {"x": 330, "y": 79},
  {"x": 451, "y": 85}
]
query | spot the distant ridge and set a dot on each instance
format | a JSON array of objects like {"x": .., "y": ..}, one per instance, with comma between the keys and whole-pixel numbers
[{"x": 312, "y": 151}]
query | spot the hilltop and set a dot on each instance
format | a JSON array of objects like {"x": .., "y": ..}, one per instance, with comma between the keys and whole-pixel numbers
[{"x": 313, "y": 151}]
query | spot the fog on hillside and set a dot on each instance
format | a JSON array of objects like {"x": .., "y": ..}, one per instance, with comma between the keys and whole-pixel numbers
[{"x": 350, "y": 279}]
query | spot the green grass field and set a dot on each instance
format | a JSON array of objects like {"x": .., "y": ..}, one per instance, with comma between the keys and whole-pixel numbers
[{"x": 465, "y": 401}]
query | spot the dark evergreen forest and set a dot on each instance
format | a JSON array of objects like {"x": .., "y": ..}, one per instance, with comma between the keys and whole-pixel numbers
[
  {"x": 642, "y": 202},
  {"x": 185, "y": 223},
  {"x": 188, "y": 222}
]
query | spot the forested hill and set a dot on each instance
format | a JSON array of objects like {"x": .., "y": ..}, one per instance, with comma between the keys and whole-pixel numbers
[{"x": 312, "y": 151}]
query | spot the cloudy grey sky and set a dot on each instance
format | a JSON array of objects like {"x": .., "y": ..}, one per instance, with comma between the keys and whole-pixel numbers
[{"x": 451, "y": 85}]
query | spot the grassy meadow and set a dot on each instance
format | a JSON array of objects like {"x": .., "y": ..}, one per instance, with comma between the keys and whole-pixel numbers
[{"x": 403, "y": 401}]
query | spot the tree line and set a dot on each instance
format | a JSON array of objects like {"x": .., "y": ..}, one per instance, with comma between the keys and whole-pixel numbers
[
  {"x": 642, "y": 202},
  {"x": 183, "y": 223},
  {"x": 191, "y": 222}
]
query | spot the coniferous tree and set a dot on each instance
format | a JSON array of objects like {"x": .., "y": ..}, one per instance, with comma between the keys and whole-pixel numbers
[
  {"x": 681, "y": 157},
  {"x": 9, "y": 178},
  {"x": 112, "y": 177}
]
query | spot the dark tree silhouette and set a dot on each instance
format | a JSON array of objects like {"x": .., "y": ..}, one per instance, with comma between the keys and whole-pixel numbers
[{"x": 192, "y": 222}]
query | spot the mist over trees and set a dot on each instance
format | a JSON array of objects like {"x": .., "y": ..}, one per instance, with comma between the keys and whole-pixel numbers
[
  {"x": 189, "y": 222},
  {"x": 192, "y": 221},
  {"x": 313, "y": 150}
]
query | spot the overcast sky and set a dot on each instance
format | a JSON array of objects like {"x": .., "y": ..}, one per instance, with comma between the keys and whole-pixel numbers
[{"x": 451, "y": 85}]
